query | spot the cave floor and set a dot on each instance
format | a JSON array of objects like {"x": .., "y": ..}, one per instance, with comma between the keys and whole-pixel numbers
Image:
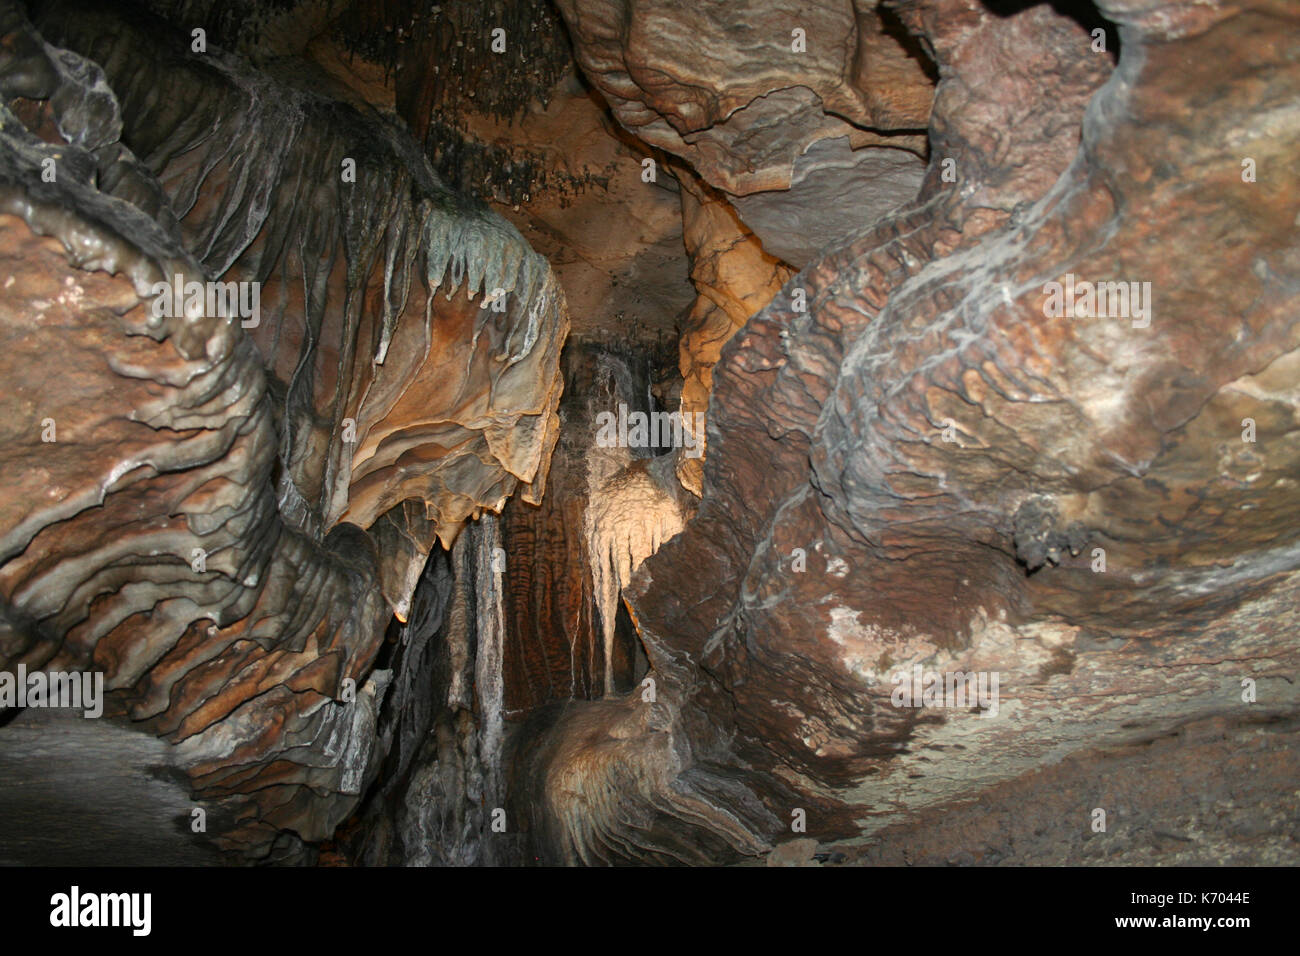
[
  {"x": 1210, "y": 793},
  {"x": 91, "y": 792}
]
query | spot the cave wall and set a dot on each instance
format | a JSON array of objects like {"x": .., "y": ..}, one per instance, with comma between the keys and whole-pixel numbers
[
  {"x": 197, "y": 527},
  {"x": 889, "y": 464}
]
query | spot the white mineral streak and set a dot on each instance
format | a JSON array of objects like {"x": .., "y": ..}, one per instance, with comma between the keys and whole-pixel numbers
[{"x": 489, "y": 667}]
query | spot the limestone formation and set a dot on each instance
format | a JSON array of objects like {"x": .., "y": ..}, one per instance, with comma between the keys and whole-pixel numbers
[{"x": 973, "y": 329}]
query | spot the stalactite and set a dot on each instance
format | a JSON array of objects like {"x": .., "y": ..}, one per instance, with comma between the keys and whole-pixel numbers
[
  {"x": 450, "y": 44},
  {"x": 492, "y": 172},
  {"x": 332, "y": 183},
  {"x": 634, "y": 503},
  {"x": 629, "y": 516}
]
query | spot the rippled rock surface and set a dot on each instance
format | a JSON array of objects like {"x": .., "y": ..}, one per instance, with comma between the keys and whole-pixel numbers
[
  {"x": 913, "y": 461},
  {"x": 223, "y": 511}
]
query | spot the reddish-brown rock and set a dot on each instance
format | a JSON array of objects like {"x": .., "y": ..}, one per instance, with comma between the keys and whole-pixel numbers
[
  {"x": 886, "y": 468},
  {"x": 188, "y": 493}
]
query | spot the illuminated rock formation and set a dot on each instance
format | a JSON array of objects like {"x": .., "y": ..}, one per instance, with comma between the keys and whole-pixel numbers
[
  {"x": 989, "y": 312},
  {"x": 735, "y": 277}
]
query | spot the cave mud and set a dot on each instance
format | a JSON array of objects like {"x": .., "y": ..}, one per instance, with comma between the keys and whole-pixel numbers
[{"x": 607, "y": 432}]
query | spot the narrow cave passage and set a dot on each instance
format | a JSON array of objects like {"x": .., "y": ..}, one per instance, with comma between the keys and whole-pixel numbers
[{"x": 606, "y": 432}]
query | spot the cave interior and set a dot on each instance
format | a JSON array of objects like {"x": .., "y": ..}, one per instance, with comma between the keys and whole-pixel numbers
[{"x": 620, "y": 432}]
